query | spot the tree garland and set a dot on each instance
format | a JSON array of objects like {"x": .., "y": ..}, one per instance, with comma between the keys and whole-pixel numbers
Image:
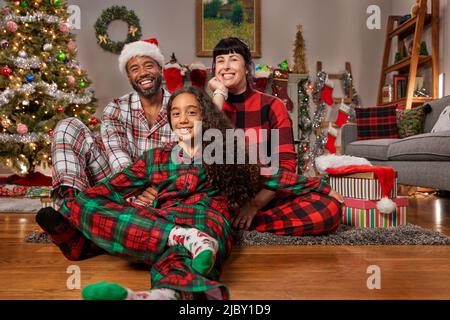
[{"x": 117, "y": 13}]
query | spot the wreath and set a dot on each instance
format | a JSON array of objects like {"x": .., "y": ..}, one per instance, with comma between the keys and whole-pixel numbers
[{"x": 117, "y": 13}]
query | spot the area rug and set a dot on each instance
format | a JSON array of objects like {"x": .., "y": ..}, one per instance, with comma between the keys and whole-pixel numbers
[
  {"x": 19, "y": 205},
  {"x": 345, "y": 235}
]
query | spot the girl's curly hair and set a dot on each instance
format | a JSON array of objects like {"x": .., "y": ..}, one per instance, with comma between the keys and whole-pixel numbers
[{"x": 238, "y": 182}]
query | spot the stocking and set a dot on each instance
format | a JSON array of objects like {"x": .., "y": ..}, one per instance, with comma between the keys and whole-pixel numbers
[
  {"x": 198, "y": 75},
  {"x": 331, "y": 140},
  {"x": 279, "y": 87},
  {"x": 343, "y": 113},
  {"x": 174, "y": 78},
  {"x": 327, "y": 95},
  {"x": 261, "y": 80}
]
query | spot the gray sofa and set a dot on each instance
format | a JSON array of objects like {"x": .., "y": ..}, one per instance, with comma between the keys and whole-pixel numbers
[{"x": 422, "y": 160}]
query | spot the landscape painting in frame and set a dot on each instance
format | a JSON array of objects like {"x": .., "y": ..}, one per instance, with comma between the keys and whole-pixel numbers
[{"x": 217, "y": 19}]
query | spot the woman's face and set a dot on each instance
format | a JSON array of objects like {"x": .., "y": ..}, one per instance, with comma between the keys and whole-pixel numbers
[
  {"x": 183, "y": 115},
  {"x": 231, "y": 71}
]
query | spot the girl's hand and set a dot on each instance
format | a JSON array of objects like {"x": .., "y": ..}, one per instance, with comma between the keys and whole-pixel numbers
[
  {"x": 148, "y": 196},
  {"x": 245, "y": 216},
  {"x": 336, "y": 196}
]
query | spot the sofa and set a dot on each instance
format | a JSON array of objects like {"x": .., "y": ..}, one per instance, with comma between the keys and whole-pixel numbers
[{"x": 422, "y": 160}]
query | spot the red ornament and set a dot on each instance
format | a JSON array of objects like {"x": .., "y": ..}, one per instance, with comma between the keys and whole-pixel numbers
[
  {"x": 6, "y": 71},
  {"x": 51, "y": 133},
  {"x": 93, "y": 121},
  {"x": 60, "y": 109}
]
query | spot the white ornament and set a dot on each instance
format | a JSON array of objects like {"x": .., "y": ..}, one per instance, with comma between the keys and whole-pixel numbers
[
  {"x": 47, "y": 47},
  {"x": 25, "y": 102},
  {"x": 22, "y": 54}
]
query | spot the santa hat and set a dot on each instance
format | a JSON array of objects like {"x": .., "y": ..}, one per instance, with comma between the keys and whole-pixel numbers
[
  {"x": 143, "y": 48},
  {"x": 384, "y": 175}
]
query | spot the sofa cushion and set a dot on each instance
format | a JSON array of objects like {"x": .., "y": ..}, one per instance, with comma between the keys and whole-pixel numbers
[
  {"x": 370, "y": 149},
  {"x": 410, "y": 122},
  {"x": 423, "y": 147},
  {"x": 376, "y": 123},
  {"x": 436, "y": 109}
]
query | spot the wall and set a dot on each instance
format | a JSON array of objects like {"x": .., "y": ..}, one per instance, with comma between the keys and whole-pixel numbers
[{"x": 335, "y": 32}]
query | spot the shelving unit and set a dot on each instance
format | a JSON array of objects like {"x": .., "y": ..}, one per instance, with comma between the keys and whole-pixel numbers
[{"x": 414, "y": 26}]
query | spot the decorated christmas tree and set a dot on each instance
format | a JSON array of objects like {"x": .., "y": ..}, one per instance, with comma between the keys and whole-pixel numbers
[
  {"x": 41, "y": 82},
  {"x": 300, "y": 65}
]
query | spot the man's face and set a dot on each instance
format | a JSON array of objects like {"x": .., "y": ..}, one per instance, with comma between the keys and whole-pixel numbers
[{"x": 145, "y": 75}]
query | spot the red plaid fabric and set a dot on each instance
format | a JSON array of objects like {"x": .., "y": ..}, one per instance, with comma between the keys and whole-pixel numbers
[
  {"x": 301, "y": 206},
  {"x": 81, "y": 159},
  {"x": 376, "y": 123},
  {"x": 256, "y": 110}
]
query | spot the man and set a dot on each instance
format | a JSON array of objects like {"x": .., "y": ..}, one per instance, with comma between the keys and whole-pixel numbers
[{"x": 130, "y": 125}]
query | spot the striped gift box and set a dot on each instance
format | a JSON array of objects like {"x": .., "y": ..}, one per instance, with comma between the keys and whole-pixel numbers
[
  {"x": 364, "y": 214},
  {"x": 359, "y": 188}
]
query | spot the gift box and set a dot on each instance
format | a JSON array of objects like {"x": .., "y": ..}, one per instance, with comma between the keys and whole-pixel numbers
[
  {"x": 363, "y": 186},
  {"x": 364, "y": 214}
]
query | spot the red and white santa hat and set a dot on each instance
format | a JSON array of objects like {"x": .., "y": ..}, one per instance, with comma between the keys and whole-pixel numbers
[
  {"x": 142, "y": 48},
  {"x": 344, "y": 165}
]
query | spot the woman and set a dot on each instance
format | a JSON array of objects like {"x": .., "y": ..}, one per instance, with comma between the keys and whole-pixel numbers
[{"x": 316, "y": 212}]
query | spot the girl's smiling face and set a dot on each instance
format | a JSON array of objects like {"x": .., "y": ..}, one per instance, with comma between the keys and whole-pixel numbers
[{"x": 184, "y": 113}]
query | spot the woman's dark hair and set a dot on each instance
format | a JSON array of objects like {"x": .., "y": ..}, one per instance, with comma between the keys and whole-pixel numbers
[
  {"x": 238, "y": 182},
  {"x": 233, "y": 45}
]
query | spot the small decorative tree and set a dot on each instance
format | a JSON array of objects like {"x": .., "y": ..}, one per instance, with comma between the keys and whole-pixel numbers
[{"x": 300, "y": 65}]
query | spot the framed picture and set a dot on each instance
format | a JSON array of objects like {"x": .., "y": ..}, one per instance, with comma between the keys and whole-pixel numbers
[
  {"x": 399, "y": 87},
  {"x": 218, "y": 19}
]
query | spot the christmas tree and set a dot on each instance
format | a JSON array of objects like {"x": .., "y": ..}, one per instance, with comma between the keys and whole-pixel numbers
[
  {"x": 41, "y": 82},
  {"x": 300, "y": 65}
]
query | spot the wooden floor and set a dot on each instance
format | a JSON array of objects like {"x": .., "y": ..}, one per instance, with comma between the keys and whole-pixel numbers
[{"x": 39, "y": 271}]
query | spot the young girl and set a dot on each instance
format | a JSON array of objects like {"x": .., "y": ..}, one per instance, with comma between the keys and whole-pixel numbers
[
  {"x": 185, "y": 235},
  {"x": 314, "y": 213}
]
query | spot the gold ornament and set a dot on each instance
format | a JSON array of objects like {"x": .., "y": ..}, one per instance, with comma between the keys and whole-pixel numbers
[{"x": 6, "y": 123}]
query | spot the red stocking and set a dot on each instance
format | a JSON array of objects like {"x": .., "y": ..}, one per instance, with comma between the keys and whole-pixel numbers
[
  {"x": 331, "y": 140},
  {"x": 198, "y": 75},
  {"x": 261, "y": 80},
  {"x": 343, "y": 112},
  {"x": 174, "y": 78},
  {"x": 327, "y": 95},
  {"x": 279, "y": 87}
]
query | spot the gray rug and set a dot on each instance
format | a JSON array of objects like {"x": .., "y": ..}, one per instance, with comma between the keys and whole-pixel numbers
[
  {"x": 403, "y": 235},
  {"x": 345, "y": 235}
]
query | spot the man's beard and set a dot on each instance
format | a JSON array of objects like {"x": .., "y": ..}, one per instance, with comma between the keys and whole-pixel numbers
[{"x": 148, "y": 93}]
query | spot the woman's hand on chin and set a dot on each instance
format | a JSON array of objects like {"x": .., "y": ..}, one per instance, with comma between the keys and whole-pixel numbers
[{"x": 215, "y": 84}]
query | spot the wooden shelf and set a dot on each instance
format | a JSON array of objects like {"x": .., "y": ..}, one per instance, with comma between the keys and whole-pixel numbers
[
  {"x": 407, "y": 26},
  {"x": 402, "y": 101},
  {"x": 403, "y": 65}
]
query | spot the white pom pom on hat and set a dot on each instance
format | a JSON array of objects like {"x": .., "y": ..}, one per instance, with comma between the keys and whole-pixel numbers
[
  {"x": 142, "y": 48},
  {"x": 386, "y": 205}
]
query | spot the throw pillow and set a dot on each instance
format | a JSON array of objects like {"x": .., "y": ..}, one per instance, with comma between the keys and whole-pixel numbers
[
  {"x": 376, "y": 122},
  {"x": 411, "y": 122},
  {"x": 443, "y": 123}
]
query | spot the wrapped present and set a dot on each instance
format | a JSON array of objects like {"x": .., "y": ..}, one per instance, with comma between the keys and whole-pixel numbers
[
  {"x": 362, "y": 185},
  {"x": 364, "y": 213},
  {"x": 11, "y": 190}
]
